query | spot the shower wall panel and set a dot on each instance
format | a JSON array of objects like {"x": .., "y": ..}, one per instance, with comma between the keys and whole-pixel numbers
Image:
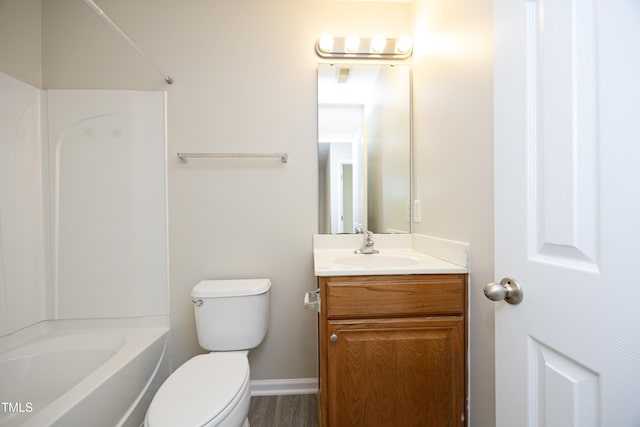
[
  {"x": 23, "y": 286},
  {"x": 107, "y": 164}
]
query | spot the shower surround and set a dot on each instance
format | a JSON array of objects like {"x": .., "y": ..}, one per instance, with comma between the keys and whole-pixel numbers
[{"x": 83, "y": 227}]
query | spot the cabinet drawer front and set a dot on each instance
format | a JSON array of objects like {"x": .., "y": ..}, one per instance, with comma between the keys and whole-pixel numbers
[{"x": 348, "y": 297}]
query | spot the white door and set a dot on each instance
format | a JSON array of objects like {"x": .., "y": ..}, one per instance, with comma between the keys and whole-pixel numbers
[{"x": 567, "y": 212}]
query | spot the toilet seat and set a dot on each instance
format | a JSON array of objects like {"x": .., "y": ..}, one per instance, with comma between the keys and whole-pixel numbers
[{"x": 201, "y": 392}]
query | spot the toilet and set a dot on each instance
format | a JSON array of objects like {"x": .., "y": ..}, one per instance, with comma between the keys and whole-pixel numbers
[{"x": 232, "y": 316}]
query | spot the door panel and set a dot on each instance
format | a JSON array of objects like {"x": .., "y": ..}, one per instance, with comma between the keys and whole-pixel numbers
[
  {"x": 562, "y": 131},
  {"x": 561, "y": 389}
]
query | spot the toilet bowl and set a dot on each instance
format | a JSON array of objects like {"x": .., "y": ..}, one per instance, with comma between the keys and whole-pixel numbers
[
  {"x": 208, "y": 390},
  {"x": 213, "y": 389}
]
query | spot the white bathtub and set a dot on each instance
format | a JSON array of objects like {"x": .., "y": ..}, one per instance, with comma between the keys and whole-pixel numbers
[{"x": 79, "y": 373}]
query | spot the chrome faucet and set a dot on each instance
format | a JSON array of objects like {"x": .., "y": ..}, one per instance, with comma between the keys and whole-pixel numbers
[{"x": 367, "y": 244}]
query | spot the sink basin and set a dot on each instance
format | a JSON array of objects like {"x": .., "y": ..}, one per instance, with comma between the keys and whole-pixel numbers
[{"x": 377, "y": 260}]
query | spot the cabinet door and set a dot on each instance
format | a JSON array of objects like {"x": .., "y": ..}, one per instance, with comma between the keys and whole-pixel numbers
[{"x": 396, "y": 372}]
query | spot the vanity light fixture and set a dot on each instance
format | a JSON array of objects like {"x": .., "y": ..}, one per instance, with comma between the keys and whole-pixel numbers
[{"x": 353, "y": 46}]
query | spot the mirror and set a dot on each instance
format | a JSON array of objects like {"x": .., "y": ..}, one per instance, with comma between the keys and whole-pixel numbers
[{"x": 364, "y": 141}]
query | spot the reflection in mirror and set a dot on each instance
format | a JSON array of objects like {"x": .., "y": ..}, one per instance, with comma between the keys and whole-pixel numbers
[{"x": 364, "y": 138}]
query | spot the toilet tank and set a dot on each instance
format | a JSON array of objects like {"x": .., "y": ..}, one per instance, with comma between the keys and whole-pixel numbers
[{"x": 231, "y": 314}]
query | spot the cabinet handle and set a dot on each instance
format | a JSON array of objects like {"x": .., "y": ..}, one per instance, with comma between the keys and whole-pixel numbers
[{"x": 333, "y": 338}]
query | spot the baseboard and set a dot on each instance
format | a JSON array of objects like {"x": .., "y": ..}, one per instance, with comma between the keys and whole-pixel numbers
[{"x": 284, "y": 387}]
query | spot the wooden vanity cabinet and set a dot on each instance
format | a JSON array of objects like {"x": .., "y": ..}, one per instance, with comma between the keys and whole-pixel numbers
[{"x": 393, "y": 350}]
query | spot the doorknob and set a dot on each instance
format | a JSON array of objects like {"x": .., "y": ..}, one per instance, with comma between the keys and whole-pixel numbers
[{"x": 508, "y": 290}]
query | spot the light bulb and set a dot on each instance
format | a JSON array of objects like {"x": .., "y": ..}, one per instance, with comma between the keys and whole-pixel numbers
[
  {"x": 352, "y": 43},
  {"x": 378, "y": 44},
  {"x": 403, "y": 45},
  {"x": 325, "y": 43}
]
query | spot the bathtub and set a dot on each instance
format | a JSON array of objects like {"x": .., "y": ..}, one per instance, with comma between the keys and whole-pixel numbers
[{"x": 82, "y": 372}]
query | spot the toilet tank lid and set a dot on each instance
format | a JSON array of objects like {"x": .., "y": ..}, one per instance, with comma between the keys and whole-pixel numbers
[{"x": 230, "y": 288}]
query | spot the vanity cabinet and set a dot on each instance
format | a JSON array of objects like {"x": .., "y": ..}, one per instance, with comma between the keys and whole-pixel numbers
[{"x": 393, "y": 350}]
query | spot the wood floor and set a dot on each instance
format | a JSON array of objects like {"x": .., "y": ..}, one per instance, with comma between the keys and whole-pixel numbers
[{"x": 299, "y": 410}]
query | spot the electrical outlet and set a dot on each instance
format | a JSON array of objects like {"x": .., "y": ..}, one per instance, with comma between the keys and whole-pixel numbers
[{"x": 417, "y": 211}]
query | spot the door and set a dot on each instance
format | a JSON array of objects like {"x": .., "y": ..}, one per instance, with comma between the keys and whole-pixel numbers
[{"x": 567, "y": 211}]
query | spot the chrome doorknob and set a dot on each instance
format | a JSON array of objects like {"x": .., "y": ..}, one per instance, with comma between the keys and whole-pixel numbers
[
  {"x": 333, "y": 338},
  {"x": 508, "y": 290}
]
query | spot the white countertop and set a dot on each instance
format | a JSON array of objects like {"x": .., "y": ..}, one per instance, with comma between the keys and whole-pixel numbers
[{"x": 333, "y": 255}]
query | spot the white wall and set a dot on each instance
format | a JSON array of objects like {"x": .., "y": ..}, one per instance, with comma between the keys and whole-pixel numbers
[
  {"x": 454, "y": 158},
  {"x": 245, "y": 80},
  {"x": 20, "y": 40}
]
